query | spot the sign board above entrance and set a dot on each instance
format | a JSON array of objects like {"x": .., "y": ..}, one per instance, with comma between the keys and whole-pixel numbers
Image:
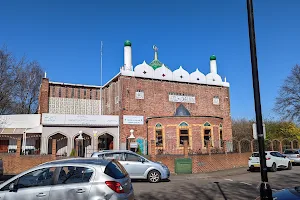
[
  {"x": 80, "y": 120},
  {"x": 134, "y": 120},
  {"x": 182, "y": 98}
]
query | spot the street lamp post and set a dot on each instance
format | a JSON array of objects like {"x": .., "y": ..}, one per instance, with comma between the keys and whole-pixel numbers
[
  {"x": 80, "y": 141},
  {"x": 265, "y": 189}
]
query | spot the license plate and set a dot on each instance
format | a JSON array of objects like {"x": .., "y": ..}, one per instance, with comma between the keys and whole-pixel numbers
[
  {"x": 292, "y": 160},
  {"x": 256, "y": 165}
]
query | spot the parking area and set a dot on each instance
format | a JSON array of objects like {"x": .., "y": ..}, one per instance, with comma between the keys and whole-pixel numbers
[{"x": 232, "y": 184}]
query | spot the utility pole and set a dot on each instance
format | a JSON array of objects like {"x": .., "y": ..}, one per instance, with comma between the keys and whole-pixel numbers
[
  {"x": 265, "y": 188},
  {"x": 101, "y": 54}
]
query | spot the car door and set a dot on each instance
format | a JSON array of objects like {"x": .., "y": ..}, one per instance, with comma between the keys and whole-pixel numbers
[
  {"x": 134, "y": 166},
  {"x": 283, "y": 160},
  {"x": 73, "y": 183},
  {"x": 35, "y": 185}
]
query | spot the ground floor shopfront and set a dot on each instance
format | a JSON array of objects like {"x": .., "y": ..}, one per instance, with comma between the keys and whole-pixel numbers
[{"x": 83, "y": 134}]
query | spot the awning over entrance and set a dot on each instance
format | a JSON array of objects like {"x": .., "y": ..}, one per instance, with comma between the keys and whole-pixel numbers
[
  {"x": 12, "y": 130},
  {"x": 37, "y": 129}
]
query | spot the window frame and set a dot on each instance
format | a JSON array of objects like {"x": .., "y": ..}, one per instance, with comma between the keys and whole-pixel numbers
[
  {"x": 125, "y": 157},
  {"x": 61, "y": 167}
]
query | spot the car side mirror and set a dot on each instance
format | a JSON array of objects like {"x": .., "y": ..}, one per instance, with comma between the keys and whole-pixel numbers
[
  {"x": 142, "y": 160},
  {"x": 12, "y": 187}
]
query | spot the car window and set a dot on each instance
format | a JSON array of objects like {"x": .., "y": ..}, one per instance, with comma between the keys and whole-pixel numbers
[
  {"x": 116, "y": 156},
  {"x": 40, "y": 177},
  {"x": 6, "y": 187},
  {"x": 71, "y": 174},
  {"x": 279, "y": 155},
  {"x": 132, "y": 157},
  {"x": 274, "y": 154},
  {"x": 290, "y": 152},
  {"x": 115, "y": 170},
  {"x": 256, "y": 154}
]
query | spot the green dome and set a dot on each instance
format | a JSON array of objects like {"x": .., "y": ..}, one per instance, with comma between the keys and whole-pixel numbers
[
  {"x": 213, "y": 57},
  {"x": 155, "y": 64},
  {"x": 127, "y": 43}
]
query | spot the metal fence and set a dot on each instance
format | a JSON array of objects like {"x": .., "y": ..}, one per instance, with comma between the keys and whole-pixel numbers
[{"x": 171, "y": 147}]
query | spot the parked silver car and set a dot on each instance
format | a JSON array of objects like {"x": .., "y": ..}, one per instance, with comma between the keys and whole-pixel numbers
[
  {"x": 138, "y": 167},
  {"x": 70, "y": 179},
  {"x": 293, "y": 155}
]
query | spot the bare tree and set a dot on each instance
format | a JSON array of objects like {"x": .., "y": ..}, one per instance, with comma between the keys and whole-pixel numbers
[
  {"x": 288, "y": 100},
  {"x": 242, "y": 129},
  {"x": 19, "y": 84}
]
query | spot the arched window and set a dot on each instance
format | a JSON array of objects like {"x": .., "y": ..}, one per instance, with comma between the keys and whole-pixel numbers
[
  {"x": 158, "y": 135},
  {"x": 207, "y": 134},
  {"x": 221, "y": 135},
  {"x": 183, "y": 133}
]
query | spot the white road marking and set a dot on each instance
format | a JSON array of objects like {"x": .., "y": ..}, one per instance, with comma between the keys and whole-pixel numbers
[
  {"x": 227, "y": 179},
  {"x": 246, "y": 183}
]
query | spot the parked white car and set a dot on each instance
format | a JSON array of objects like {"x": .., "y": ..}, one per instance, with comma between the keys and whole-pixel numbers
[{"x": 274, "y": 159}]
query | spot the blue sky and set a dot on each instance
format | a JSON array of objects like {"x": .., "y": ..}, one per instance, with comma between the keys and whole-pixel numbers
[{"x": 64, "y": 36}]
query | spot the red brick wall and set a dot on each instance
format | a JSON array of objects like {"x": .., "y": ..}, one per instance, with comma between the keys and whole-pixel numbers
[
  {"x": 156, "y": 102},
  {"x": 44, "y": 96},
  {"x": 208, "y": 163},
  {"x": 13, "y": 164}
]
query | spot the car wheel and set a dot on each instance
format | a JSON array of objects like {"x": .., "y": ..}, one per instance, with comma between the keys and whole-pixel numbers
[
  {"x": 274, "y": 167},
  {"x": 154, "y": 176},
  {"x": 289, "y": 166}
]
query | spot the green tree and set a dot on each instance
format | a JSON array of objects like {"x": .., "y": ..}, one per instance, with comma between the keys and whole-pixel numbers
[{"x": 282, "y": 130}]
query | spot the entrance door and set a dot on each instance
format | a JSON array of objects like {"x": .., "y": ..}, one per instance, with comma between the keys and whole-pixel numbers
[
  {"x": 4, "y": 146},
  {"x": 105, "y": 142}
]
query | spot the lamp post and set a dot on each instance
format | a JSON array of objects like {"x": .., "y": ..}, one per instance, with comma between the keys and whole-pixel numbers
[
  {"x": 79, "y": 139},
  {"x": 265, "y": 188},
  {"x": 131, "y": 137}
]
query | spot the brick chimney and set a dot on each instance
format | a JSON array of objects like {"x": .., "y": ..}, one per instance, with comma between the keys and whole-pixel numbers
[{"x": 44, "y": 96}]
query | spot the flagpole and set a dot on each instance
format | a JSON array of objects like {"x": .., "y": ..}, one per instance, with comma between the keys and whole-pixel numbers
[{"x": 101, "y": 53}]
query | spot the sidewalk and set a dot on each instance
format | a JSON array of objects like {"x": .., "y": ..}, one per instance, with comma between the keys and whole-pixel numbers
[{"x": 216, "y": 174}]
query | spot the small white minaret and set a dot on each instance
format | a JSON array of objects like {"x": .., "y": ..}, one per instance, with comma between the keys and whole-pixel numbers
[
  {"x": 127, "y": 56},
  {"x": 213, "y": 64}
]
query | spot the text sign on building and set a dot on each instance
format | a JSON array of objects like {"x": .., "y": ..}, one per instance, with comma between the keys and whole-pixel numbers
[
  {"x": 80, "y": 120},
  {"x": 134, "y": 120},
  {"x": 182, "y": 99}
]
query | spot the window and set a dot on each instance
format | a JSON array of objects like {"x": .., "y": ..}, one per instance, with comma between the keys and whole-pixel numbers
[
  {"x": 73, "y": 174},
  {"x": 206, "y": 137},
  {"x": 96, "y": 94},
  {"x": 53, "y": 91},
  {"x": 206, "y": 124},
  {"x": 159, "y": 135},
  {"x": 59, "y": 92},
  {"x": 115, "y": 170},
  {"x": 84, "y": 93},
  {"x": 184, "y": 136},
  {"x": 117, "y": 156},
  {"x": 91, "y": 94},
  {"x": 72, "y": 95},
  {"x": 132, "y": 157},
  {"x": 291, "y": 151},
  {"x": 183, "y": 124},
  {"x": 40, "y": 177},
  {"x": 78, "y": 93},
  {"x": 66, "y": 92}
]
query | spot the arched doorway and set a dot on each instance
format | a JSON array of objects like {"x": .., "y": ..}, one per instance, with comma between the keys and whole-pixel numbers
[
  {"x": 85, "y": 146},
  {"x": 105, "y": 142},
  {"x": 61, "y": 144}
]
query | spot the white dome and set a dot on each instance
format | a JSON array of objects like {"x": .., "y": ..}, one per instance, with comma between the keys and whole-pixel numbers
[
  {"x": 197, "y": 77},
  {"x": 144, "y": 70},
  {"x": 181, "y": 75},
  {"x": 213, "y": 79},
  {"x": 163, "y": 73}
]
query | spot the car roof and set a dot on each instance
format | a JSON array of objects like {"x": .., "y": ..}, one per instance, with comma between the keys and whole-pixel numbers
[
  {"x": 86, "y": 161},
  {"x": 114, "y": 151},
  {"x": 267, "y": 151}
]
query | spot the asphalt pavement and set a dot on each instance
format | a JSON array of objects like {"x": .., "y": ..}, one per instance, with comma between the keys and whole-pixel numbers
[{"x": 232, "y": 184}]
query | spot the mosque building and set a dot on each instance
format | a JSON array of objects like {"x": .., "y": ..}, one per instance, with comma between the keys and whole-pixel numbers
[{"x": 139, "y": 104}]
